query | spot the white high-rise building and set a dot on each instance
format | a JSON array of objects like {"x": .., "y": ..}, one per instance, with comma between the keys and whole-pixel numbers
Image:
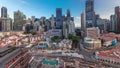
[
  {"x": 71, "y": 28},
  {"x": 65, "y": 29},
  {"x": 68, "y": 28},
  {"x": 33, "y": 19},
  {"x": 53, "y": 22}
]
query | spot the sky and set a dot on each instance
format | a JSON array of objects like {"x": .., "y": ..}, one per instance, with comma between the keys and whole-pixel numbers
[{"x": 46, "y": 8}]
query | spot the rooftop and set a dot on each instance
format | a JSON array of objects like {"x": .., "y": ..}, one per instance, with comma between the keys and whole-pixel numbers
[
  {"x": 53, "y": 63},
  {"x": 4, "y": 49},
  {"x": 114, "y": 53}
]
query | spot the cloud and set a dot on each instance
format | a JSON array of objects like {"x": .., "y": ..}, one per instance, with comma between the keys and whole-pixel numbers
[
  {"x": 23, "y": 2},
  {"x": 77, "y": 21}
]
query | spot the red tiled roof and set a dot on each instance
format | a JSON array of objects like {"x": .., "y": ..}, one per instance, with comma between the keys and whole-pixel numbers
[{"x": 110, "y": 53}]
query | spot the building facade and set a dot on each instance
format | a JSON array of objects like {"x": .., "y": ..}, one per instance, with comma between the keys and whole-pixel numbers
[
  {"x": 117, "y": 19},
  {"x": 103, "y": 25},
  {"x": 59, "y": 23},
  {"x": 112, "y": 23},
  {"x": 3, "y": 12},
  {"x": 92, "y": 43},
  {"x": 52, "y": 22},
  {"x": 90, "y": 14},
  {"x": 83, "y": 22},
  {"x": 19, "y": 20},
  {"x": 5, "y": 21}
]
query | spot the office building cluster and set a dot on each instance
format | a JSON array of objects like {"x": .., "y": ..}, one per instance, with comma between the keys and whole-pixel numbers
[
  {"x": 5, "y": 20},
  {"x": 60, "y": 25},
  {"x": 95, "y": 30},
  {"x": 90, "y": 19},
  {"x": 63, "y": 23}
]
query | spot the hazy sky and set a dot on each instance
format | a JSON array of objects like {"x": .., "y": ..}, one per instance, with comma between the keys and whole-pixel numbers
[{"x": 40, "y": 8}]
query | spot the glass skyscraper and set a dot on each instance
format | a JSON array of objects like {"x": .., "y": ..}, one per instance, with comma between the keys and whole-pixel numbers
[
  {"x": 59, "y": 23},
  {"x": 4, "y": 12},
  {"x": 90, "y": 14}
]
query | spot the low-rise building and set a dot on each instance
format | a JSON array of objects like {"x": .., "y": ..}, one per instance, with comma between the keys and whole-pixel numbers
[
  {"x": 110, "y": 56},
  {"x": 55, "y": 32},
  {"x": 91, "y": 43},
  {"x": 93, "y": 32},
  {"x": 108, "y": 39},
  {"x": 65, "y": 44}
]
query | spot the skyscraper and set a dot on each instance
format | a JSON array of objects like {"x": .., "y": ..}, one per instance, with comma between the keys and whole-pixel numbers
[
  {"x": 6, "y": 22},
  {"x": 117, "y": 19},
  {"x": 112, "y": 23},
  {"x": 19, "y": 20},
  {"x": 59, "y": 23},
  {"x": 3, "y": 12},
  {"x": 0, "y": 24},
  {"x": 90, "y": 14},
  {"x": 83, "y": 22},
  {"x": 52, "y": 22},
  {"x": 68, "y": 13}
]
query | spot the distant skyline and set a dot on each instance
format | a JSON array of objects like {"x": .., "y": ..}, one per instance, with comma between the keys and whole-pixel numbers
[{"x": 46, "y": 8}]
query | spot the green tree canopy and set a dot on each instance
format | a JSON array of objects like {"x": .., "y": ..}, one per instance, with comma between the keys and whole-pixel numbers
[{"x": 55, "y": 38}]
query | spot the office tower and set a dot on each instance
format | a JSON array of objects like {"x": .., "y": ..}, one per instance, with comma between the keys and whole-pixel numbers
[
  {"x": 59, "y": 23},
  {"x": 42, "y": 21},
  {"x": 65, "y": 29},
  {"x": 47, "y": 25},
  {"x": 3, "y": 12},
  {"x": 33, "y": 19},
  {"x": 112, "y": 23},
  {"x": 0, "y": 24},
  {"x": 71, "y": 28},
  {"x": 52, "y": 22},
  {"x": 19, "y": 20},
  {"x": 90, "y": 14},
  {"x": 68, "y": 13},
  {"x": 103, "y": 24},
  {"x": 83, "y": 22},
  {"x": 6, "y": 22},
  {"x": 9, "y": 24},
  {"x": 117, "y": 19},
  {"x": 68, "y": 25},
  {"x": 96, "y": 18}
]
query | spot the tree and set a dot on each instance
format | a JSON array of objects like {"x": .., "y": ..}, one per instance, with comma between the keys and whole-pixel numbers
[
  {"x": 78, "y": 33},
  {"x": 70, "y": 36},
  {"x": 55, "y": 38},
  {"x": 74, "y": 39}
]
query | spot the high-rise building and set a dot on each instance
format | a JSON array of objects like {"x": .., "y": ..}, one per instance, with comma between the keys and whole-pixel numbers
[
  {"x": 33, "y": 19},
  {"x": 19, "y": 20},
  {"x": 42, "y": 21},
  {"x": 103, "y": 24},
  {"x": 68, "y": 13},
  {"x": 5, "y": 22},
  {"x": 0, "y": 24},
  {"x": 90, "y": 14},
  {"x": 68, "y": 25},
  {"x": 112, "y": 23},
  {"x": 117, "y": 19},
  {"x": 3, "y": 12},
  {"x": 52, "y": 22},
  {"x": 47, "y": 25},
  {"x": 97, "y": 16},
  {"x": 59, "y": 23},
  {"x": 83, "y": 22}
]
